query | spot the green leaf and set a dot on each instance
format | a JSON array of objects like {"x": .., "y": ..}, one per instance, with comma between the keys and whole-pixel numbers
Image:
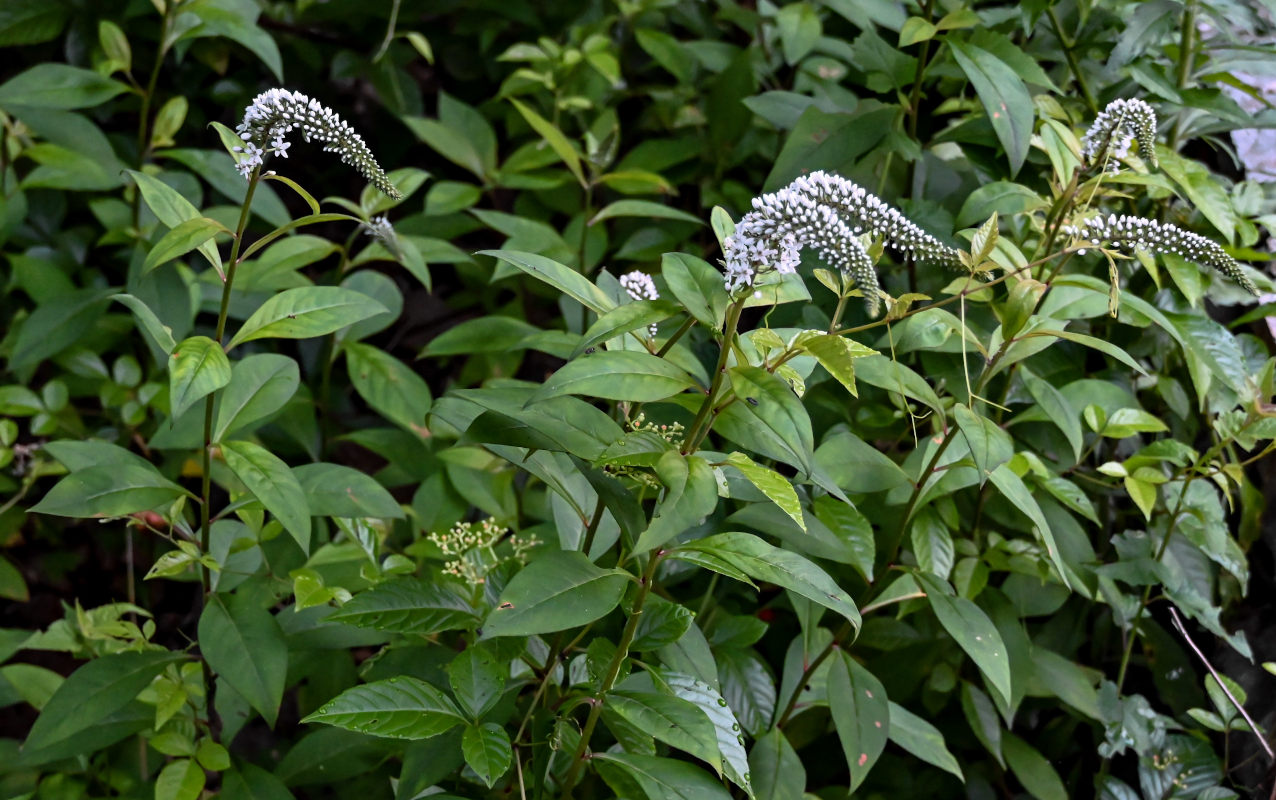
[
  {"x": 212, "y": 756},
  {"x": 623, "y": 319},
  {"x": 170, "y": 208},
  {"x": 893, "y": 376},
  {"x": 770, "y": 400},
  {"x": 1128, "y": 421},
  {"x": 735, "y": 763},
  {"x": 837, "y": 354},
  {"x": 691, "y": 494},
  {"x": 990, "y": 446},
  {"x": 56, "y": 324},
  {"x": 407, "y": 605},
  {"x": 182, "y": 779},
  {"x": 851, "y": 527},
  {"x": 676, "y": 722},
  {"x": 487, "y": 334},
  {"x": 775, "y": 768},
  {"x": 1056, "y": 407},
  {"x": 53, "y": 85},
  {"x": 31, "y": 21},
  {"x": 932, "y": 543},
  {"x": 1202, "y": 189},
  {"x": 861, "y": 714},
  {"x": 109, "y": 490},
  {"x": 1098, "y": 344},
  {"x": 197, "y": 367},
  {"x": 698, "y": 286},
  {"x": 764, "y": 562},
  {"x": 1004, "y": 97},
  {"x": 562, "y": 589},
  {"x": 1012, "y": 486},
  {"x": 971, "y": 628},
  {"x": 259, "y": 386},
  {"x": 460, "y": 134},
  {"x": 1032, "y": 769},
  {"x": 658, "y": 778},
  {"x": 250, "y": 782},
  {"x": 244, "y": 644},
  {"x": 94, "y": 692},
  {"x": 487, "y": 750},
  {"x": 181, "y": 240},
  {"x": 477, "y": 679},
  {"x": 565, "y": 279},
  {"x": 643, "y": 208},
  {"x": 391, "y": 387},
  {"x": 299, "y": 222},
  {"x": 828, "y": 141},
  {"x": 333, "y": 490},
  {"x": 160, "y": 334},
  {"x": 922, "y": 739},
  {"x": 306, "y": 312},
  {"x": 772, "y": 484},
  {"x": 556, "y": 140},
  {"x": 271, "y": 481},
  {"x": 398, "y": 708},
  {"x": 617, "y": 375}
]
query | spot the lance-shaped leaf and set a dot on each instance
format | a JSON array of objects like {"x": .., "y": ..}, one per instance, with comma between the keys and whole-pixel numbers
[
  {"x": 160, "y": 334},
  {"x": 772, "y": 484},
  {"x": 658, "y": 778},
  {"x": 691, "y": 494},
  {"x": 407, "y": 605},
  {"x": 922, "y": 739},
  {"x": 396, "y": 708},
  {"x": 94, "y": 692},
  {"x": 623, "y": 319},
  {"x": 837, "y": 354},
  {"x": 861, "y": 714},
  {"x": 305, "y": 312},
  {"x": 671, "y": 719},
  {"x": 172, "y": 209},
  {"x": 1004, "y": 97},
  {"x": 560, "y": 590},
  {"x": 772, "y": 402},
  {"x": 735, "y": 762},
  {"x": 181, "y": 240},
  {"x": 563, "y": 278},
  {"x": 259, "y": 386},
  {"x": 617, "y": 375},
  {"x": 197, "y": 367},
  {"x": 971, "y": 628},
  {"x": 391, "y": 387},
  {"x": 763, "y": 562},
  {"x": 109, "y": 490},
  {"x": 271, "y": 481},
  {"x": 245, "y": 646}
]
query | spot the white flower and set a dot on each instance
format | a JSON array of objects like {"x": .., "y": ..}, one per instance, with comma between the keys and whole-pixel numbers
[
  {"x": 380, "y": 229},
  {"x": 827, "y": 213},
  {"x": 1137, "y": 233},
  {"x": 640, "y": 286},
  {"x": 1116, "y": 127},
  {"x": 275, "y": 113}
]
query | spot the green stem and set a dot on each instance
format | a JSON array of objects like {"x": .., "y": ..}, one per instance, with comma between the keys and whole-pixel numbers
[
  {"x": 1187, "y": 57},
  {"x": 1068, "y": 45},
  {"x": 703, "y": 421},
  {"x": 813, "y": 665},
  {"x": 678, "y": 334},
  {"x": 613, "y": 670},
  {"x": 593, "y": 526}
]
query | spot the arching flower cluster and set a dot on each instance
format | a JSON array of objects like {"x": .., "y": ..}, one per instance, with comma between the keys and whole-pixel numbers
[
  {"x": 1119, "y": 125},
  {"x": 275, "y": 113},
  {"x": 640, "y": 286},
  {"x": 828, "y": 213},
  {"x": 1136, "y": 233}
]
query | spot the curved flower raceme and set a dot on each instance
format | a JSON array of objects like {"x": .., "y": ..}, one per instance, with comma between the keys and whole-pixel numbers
[
  {"x": 1123, "y": 122},
  {"x": 640, "y": 286},
  {"x": 1136, "y": 233},
  {"x": 274, "y": 114},
  {"x": 828, "y": 213}
]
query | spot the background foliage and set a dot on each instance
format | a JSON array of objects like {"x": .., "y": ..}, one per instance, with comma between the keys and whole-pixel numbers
[{"x": 936, "y": 557}]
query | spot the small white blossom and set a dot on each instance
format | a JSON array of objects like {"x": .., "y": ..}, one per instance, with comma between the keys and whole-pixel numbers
[
  {"x": 380, "y": 229},
  {"x": 828, "y": 213},
  {"x": 640, "y": 286},
  {"x": 275, "y": 113},
  {"x": 1137, "y": 233},
  {"x": 1119, "y": 125}
]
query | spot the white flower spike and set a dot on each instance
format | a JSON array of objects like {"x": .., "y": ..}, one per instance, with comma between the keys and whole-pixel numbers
[
  {"x": 640, "y": 286},
  {"x": 828, "y": 213},
  {"x": 1136, "y": 233},
  {"x": 274, "y": 114},
  {"x": 1123, "y": 122}
]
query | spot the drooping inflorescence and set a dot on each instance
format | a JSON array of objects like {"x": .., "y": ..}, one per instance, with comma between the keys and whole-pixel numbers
[
  {"x": 274, "y": 114},
  {"x": 827, "y": 213},
  {"x": 1137, "y": 233},
  {"x": 1123, "y": 122},
  {"x": 640, "y": 286}
]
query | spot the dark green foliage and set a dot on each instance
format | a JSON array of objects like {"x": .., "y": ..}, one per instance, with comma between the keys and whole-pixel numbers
[{"x": 551, "y": 465}]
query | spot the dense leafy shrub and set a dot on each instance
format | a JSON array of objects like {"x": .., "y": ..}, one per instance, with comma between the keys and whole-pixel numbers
[{"x": 554, "y": 463}]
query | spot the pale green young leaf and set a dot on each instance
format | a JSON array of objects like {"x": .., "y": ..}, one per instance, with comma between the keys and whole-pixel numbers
[
  {"x": 554, "y": 138},
  {"x": 775, "y": 486},
  {"x": 181, "y": 240},
  {"x": 182, "y": 779},
  {"x": 837, "y": 354}
]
